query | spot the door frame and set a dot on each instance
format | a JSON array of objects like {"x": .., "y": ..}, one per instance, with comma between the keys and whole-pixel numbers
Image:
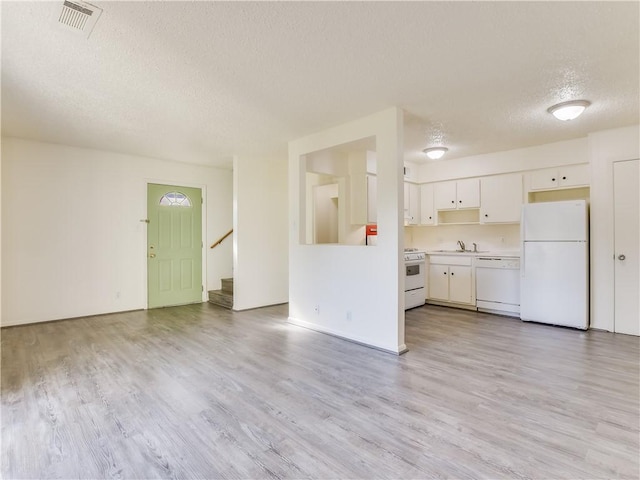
[
  {"x": 143, "y": 248},
  {"x": 613, "y": 259}
]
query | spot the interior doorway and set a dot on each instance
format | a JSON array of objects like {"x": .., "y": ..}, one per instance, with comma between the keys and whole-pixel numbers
[
  {"x": 174, "y": 245},
  {"x": 325, "y": 213},
  {"x": 626, "y": 184}
]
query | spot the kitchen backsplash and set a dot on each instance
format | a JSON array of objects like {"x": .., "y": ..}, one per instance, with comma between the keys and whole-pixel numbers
[{"x": 445, "y": 237}]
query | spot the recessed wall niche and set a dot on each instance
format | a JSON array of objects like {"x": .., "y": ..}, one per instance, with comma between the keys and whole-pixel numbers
[{"x": 339, "y": 194}]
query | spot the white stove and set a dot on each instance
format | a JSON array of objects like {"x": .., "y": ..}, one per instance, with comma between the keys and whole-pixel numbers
[{"x": 414, "y": 278}]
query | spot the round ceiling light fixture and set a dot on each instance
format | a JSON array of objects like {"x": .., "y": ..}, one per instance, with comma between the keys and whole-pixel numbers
[
  {"x": 568, "y": 110},
  {"x": 434, "y": 153}
]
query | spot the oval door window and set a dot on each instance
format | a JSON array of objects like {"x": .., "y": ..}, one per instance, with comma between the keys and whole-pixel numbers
[{"x": 175, "y": 199}]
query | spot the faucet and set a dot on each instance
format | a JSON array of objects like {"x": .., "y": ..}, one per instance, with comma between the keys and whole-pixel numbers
[
  {"x": 475, "y": 248},
  {"x": 461, "y": 244}
]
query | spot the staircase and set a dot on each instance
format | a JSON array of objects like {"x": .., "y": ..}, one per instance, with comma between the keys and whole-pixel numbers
[{"x": 223, "y": 297}]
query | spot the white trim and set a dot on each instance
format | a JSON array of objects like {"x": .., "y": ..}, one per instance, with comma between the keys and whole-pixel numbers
[{"x": 345, "y": 336}]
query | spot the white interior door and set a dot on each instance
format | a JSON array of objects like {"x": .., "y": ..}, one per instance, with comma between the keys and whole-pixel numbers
[{"x": 626, "y": 181}]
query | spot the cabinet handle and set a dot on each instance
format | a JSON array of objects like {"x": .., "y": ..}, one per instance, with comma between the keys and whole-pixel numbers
[
  {"x": 429, "y": 218},
  {"x": 453, "y": 201},
  {"x": 452, "y": 273},
  {"x": 553, "y": 179},
  {"x": 564, "y": 178},
  {"x": 459, "y": 201},
  {"x": 445, "y": 273},
  {"x": 486, "y": 215}
]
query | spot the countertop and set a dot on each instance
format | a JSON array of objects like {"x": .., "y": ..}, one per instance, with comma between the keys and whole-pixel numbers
[{"x": 481, "y": 253}]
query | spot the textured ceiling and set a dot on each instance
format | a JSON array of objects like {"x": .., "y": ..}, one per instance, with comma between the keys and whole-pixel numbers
[{"x": 201, "y": 81}]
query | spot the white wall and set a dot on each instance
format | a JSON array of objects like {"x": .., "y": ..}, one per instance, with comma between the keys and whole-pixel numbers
[
  {"x": 0, "y": 238},
  {"x": 568, "y": 152},
  {"x": 605, "y": 148},
  {"x": 494, "y": 238},
  {"x": 260, "y": 241},
  {"x": 72, "y": 240},
  {"x": 359, "y": 289}
]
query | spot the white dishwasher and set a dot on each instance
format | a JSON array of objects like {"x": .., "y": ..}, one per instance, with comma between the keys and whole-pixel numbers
[{"x": 498, "y": 285}]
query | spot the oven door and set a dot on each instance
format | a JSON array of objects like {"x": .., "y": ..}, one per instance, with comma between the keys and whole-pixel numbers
[{"x": 413, "y": 275}]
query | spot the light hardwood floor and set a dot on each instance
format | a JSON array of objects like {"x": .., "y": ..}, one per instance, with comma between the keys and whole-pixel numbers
[{"x": 202, "y": 392}]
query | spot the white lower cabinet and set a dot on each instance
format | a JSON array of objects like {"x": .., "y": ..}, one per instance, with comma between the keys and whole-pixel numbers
[
  {"x": 438, "y": 282},
  {"x": 460, "y": 286},
  {"x": 451, "y": 280}
]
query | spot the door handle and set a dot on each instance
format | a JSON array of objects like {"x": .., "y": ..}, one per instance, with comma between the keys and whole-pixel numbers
[
  {"x": 622, "y": 257},
  {"x": 152, "y": 255}
]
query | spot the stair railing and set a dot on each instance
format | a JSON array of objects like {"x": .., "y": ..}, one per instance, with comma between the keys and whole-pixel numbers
[{"x": 215, "y": 244}]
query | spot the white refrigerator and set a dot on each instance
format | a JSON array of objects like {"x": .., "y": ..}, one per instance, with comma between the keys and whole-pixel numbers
[{"x": 554, "y": 267}]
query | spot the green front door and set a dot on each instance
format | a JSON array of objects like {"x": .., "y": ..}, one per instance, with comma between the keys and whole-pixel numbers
[{"x": 174, "y": 245}]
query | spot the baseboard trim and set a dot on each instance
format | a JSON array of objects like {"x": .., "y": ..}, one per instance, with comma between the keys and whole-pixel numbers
[
  {"x": 453, "y": 305},
  {"x": 258, "y": 306},
  {"x": 39, "y": 322},
  {"x": 316, "y": 328}
]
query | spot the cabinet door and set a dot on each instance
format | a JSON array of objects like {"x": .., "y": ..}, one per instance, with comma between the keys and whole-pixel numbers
[
  {"x": 414, "y": 204},
  {"x": 460, "y": 284},
  {"x": 372, "y": 199},
  {"x": 406, "y": 198},
  {"x": 573, "y": 176},
  {"x": 359, "y": 199},
  {"x": 438, "y": 284},
  {"x": 544, "y": 179},
  {"x": 444, "y": 195},
  {"x": 501, "y": 198},
  {"x": 427, "y": 212},
  {"x": 468, "y": 193}
]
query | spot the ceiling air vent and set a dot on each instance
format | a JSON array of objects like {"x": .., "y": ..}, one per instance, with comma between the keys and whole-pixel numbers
[{"x": 79, "y": 17}]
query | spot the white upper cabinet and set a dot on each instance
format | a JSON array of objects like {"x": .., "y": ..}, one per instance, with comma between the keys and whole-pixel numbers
[
  {"x": 427, "y": 210},
  {"x": 561, "y": 177},
  {"x": 372, "y": 199},
  {"x": 457, "y": 195},
  {"x": 444, "y": 195},
  {"x": 468, "y": 193},
  {"x": 501, "y": 198},
  {"x": 574, "y": 176},
  {"x": 411, "y": 203},
  {"x": 364, "y": 194}
]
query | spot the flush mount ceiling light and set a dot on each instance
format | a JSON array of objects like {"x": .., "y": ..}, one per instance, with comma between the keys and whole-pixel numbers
[
  {"x": 568, "y": 110},
  {"x": 434, "y": 153}
]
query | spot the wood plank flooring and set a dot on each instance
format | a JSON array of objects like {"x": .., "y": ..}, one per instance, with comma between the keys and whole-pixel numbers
[{"x": 202, "y": 392}]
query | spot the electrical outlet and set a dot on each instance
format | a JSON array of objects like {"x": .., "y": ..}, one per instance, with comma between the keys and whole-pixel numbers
[
  {"x": 349, "y": 315},
  {"x": 317, "y": 309}
]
